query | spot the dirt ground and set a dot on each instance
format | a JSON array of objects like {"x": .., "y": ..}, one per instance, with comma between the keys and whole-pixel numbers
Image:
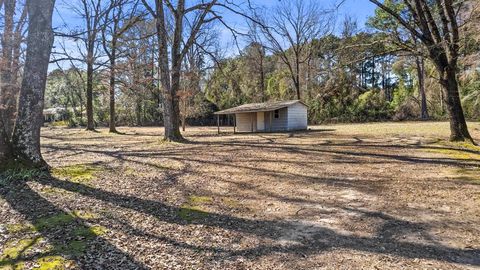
[{"x": 366, "y": 196}]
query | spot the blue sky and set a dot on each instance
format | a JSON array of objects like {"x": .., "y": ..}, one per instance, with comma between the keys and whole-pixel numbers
[{"x": 357, "y": 9}]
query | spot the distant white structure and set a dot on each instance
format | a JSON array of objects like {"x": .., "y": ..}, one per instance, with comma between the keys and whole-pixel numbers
[
  {"x": 268, "y": 117},
  {"x": 54, "y": 114}
]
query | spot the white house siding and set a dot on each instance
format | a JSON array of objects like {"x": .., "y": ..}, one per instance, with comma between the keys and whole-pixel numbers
[
  {"x": 297, "y": 117},
  {"x": 293, "y": 117},
  {"x": 281, "y": 123}
]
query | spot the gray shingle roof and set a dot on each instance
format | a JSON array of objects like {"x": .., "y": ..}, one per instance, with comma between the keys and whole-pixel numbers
[{"x": 260, "y": 107}]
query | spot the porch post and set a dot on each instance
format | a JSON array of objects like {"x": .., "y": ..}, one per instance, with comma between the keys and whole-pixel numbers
[
  {"x": 218, "y": 123},
  {"x": 234, "y": 123}
]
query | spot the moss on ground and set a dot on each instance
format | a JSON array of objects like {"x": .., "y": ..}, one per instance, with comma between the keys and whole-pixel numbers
[
  {"x": 14, "y": 249},
  {"x": 231, "y": 203},
  {"x": 462, "y": 151},
  {"x": 76, "y": 173},
  {"x": 456, "y": 154},
  {"x": 43, "y": 263},
  {"x": 17, "y": 173},
  {"x": 53, "y": 221},
  {"x": 129, "y": 171},
  {"x": 51, "y": 190},
  {"x": 456, "y": 150},
  {"x": 191, "y": 213},
  {"x": 193, "y": 209},
  {"x": 469, "y": 174},
  {"x": 195, "y": 200},
  {"x": 84, "y": 214},
  {"x": 13, "y": 256},
  {"x": 52, "y": 263},
  {"x": 91, "y": 231},
  {"x": 20, "y": 228}
]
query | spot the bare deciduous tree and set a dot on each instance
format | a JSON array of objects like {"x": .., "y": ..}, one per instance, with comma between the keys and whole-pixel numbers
[
  {"x": 116, "y": 22},
  {"x": 11, "y": 41},
  {"x": 177, "y": 29},
  {"x": 289, "y": 34},
  {"x": 92, "y": 13}
]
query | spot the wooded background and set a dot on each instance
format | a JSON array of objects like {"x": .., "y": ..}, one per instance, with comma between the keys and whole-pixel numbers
[{"x": 161, "y": 62}]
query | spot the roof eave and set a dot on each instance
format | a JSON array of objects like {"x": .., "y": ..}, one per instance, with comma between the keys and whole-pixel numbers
[
  {"x": 236, "y": 110},
  {"x": 250, "y": 111}
]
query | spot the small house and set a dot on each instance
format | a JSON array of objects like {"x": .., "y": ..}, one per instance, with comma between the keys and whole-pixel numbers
[
  {"x": 54, "y": 114},
  {"x": 268, "y": 117}
]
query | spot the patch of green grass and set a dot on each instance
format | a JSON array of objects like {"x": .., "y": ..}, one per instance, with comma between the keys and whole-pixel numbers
[
  {"x": 231, "y": 203},
  {"x": 467, "y": 145},
  {"x": 52, "y": 190},
  {"x": 191, "y": 213},
  {"x": 76, "y": 173},
  {"x": 469, "y": 174},
  {"x": 452, "y": 153},
  {"x": 199, "y": 199},
  {"x": 51, "y": 263},
  {"x": 461, "y": 151},
  {"x": 457, "y": 150},
  {"x": 20, "y": 228},
  {"x": 15, "y": 174},
  {"x": 129, "y": 171},
  {"x": 13, "y": 255},
  {"x": 99, "y": 230},
  {"x": 192, "y": 210},
  {"x": 54, "y": 221},
  {"x": 15, "y": 249},
  {"x": 73, "y": 248},
  {"x": 84, "y": 214},
  {"x": 90, "y": 232}
]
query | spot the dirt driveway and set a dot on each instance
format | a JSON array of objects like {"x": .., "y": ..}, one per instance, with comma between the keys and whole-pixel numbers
[{"x": 376, "y": 196}]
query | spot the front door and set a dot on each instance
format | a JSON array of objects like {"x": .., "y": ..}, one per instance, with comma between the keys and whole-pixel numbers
[{"x": 260, "y": 121}]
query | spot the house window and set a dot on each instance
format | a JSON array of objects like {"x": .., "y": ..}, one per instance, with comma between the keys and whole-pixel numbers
[{"x": 276, "y": 114}]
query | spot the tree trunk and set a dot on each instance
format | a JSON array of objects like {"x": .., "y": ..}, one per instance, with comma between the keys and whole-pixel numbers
[
  {"x": 90, "y": 121},
  {"x": 297, "y": 78},
  {"x": 172, "y": 109},
  {"x": 112, "y": 124},
  {"x": 171, "y": 102},
  {"x": 5, "y": 149},
  {"x": 262, "y": 78},
  {"x": 421, "y": 87},
  {"x": 26, "y": 136},
  {"x": 8, "y": 97},
  {"x": 458, "y": 124}
]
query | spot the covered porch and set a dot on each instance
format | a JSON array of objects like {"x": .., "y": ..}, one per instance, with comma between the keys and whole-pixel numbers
[{"x": 262, "y": 121}]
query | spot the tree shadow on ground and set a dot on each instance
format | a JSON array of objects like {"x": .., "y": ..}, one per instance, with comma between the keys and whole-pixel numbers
[
  {"x": 343, "y": 154},
  {"x": 388, "y": 239},
  {"x": 68, "y": 236}
]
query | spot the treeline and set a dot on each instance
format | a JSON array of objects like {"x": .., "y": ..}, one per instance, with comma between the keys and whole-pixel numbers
[
  {"x": 349, "y": 78},
  {"x": 352, "y": 76}
]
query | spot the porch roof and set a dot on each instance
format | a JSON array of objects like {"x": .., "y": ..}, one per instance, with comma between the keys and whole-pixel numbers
[{"x": 260, "y": 107}]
